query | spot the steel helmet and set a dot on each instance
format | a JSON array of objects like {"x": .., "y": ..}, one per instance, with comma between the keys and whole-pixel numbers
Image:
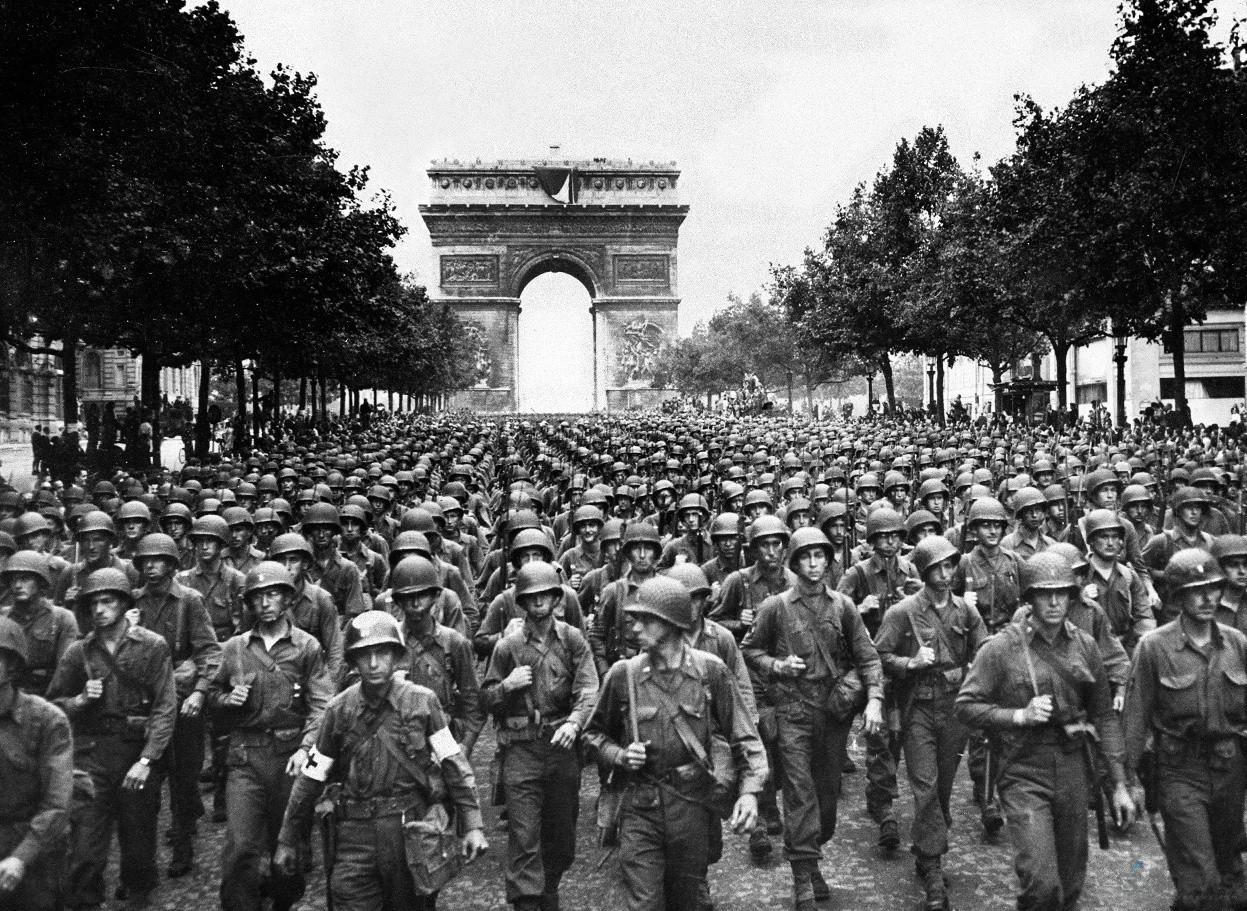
[
  {"x": 373, "y": 627},
  {"x": 322, "y": 514},
  {"x": 13, "y": 640},
  {"x": 895, "y": 479},
  {"x": 987, "y": 509},
  {"x": 1099, "y": 520},
  {"x": 351, "y": 511},
  {"x": 832, "y": 511},
  {"x": 268, "y": 574},
  {"x": 534, "y": 578},
  {"x": 694, "y": 501},
  {"x": 415, "y": 574},
  {"x": 1055, "y": 493},
  {"x": 157, "y": 544},
  {"x": 867, "y": 480},
  {"x": 805, "y": 538},
  {"x": 758, "y": 497},
  {"x": 932, "y": 550},
  {"x": 132, "y": 510},
  {"x": 176, "y": 512},
  {"x": 1100, "y": 478},
  {"x": 587, "y": 514},
  {"x": 641, "y": 533},
  {"x": 96, "y": 520},
  {"x": 1189, "y": 496},
  {"x": 290, "y": 543},
  {"x": 421, "y": 520},
  {"x": 612, "y": 530},
  {"x": 725, "y": 525},
  {"x": 267, "y": 484},
  {"x": 1135, "y": 493},
  {"x": 884, "y": 521},
  {"x": 237, "y": 515},
  {"x": 690, "y": 575},
  {"x": 211, "y": 527},
  {"x": 7, "y": 544},
  {"x": 266, "y": 515},
  {"x": 29, "y": 523},
  {"x": 920, "y": 517},
  {"x": 1046, "y": 570},
  {"x": 931, "y": 487},
  {"x": 531, "y": 538},
  {"x": 407, "y": 543},
  {"x": 29, "y": 561},
  {"x": 1028, "y": 498},
  {"x": 108, "y": 579},
  {"x": 664, "y": 598},
  {"x": 1192, "y": 567},
  {"x": 1223, "y": 547},
  {"x": 1069, "y": 553},
  {"x": 245, "y": 489},
  {"x": 767, "y": 527}
]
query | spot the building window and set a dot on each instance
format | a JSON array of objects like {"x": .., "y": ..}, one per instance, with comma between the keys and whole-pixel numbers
[
  {"x": 1209, "y": 387},
  {"x": 1210, "y": 341},
  {"x": 93, "y": 368},
  {"x": 121, "y": 377},
  {"x": 1089, "y": 393}
]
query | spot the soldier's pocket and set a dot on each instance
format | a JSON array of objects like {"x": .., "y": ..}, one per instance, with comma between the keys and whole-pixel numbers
[
  {"x": 1235, "y": 687},
  {"x": 1180, "y": 694},
  {"x": 433, "y": 850}
]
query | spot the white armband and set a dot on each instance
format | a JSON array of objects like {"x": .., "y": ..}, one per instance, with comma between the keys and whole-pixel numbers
[
  {"x": 318, "y": 765},
  {"x": 444, "y": 745}
]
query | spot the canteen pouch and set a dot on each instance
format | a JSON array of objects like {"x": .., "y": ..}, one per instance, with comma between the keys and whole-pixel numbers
[
  {"x": 848, "y": 696},
  {"x": 135, "y": 729},
  {"x": 434, "y": 853}
]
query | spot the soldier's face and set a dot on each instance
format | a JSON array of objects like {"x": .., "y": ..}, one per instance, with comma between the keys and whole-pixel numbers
[
  {"x": 1200, "y": 603},
  {"x": 265, "y": 532},
  {"x": 887, "y": 544},
  {"x": 589, "y": 531},
  {"x": 1049, "y": 605},
  {"x": 240, "y": 536},
  {"x": 206, "y": 548},
  {"x": 691, "y": 520},
  {"x": 1191, "y": 515},
  {"x": 539, "y": 605},
  {"x": 321, "y": 536},
  {"x": 725, "y": 546},
  {"x": 1106, "y": 496},
  {"x": 417, "y": 605},
  {"x": 1056, "y": 510},
  {"x": 1107, "y": 544},
  {"x": 352, "y": 531},
  {"x": 24, "y": 587},
  {"x": 1235, "y": 569},
  {"x": 770, "y": 550},
  {"x": 106, "y": 609},
  {"x": 935, "y": 503},
  {"x": 156, "y": 570},
  {"x": 921, "y": 533},
  {"x": 95, "y": 544},
  {"x": 811, "y": 564},
  {"x": 36, "y": 541},
  {"x": 1032, "y": 517},
  {"x": 269, "y": 603},
  {"x": 176, "y": 529},
  {"x": 939, "y": 576},
  {"x": 648, "y": 630},
  {"x": 295, "y": 564},
  {"x": 989, "y": 533},
  {"x": 643, "y": 557},
  {"x": 375, "y": 664},
  {"x": 133, "y": 529},
  {"x": 800, "y": 519}
]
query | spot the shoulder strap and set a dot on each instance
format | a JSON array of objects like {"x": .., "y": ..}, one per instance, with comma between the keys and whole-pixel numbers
[{"x": 125, "y": 677}]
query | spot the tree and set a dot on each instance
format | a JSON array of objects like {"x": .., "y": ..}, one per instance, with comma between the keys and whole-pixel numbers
[{"x": 695, "y": 365}]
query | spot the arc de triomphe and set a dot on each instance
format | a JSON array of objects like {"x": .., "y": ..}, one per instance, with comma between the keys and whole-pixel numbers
[{"x": 611, "y": 225}]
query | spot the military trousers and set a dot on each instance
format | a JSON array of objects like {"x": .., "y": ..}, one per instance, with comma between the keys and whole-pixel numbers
[
  {"x": 1201, "y": 802},
  {"x": 543, "y": 804},
  {"x": 1044, "y": 792},
  {"x": 182, "y": 762},
  {"x": 811, "y": 742},
  {"x": 43, "y": 885},
  {"x": 882, "y": 752},
  {"x": 768, "y": 798},
  {"x": 370, "y": 868},
  {"x": 256, "y": 794},
  {"x": 131, "y": 813},
  {"x": 933, "y": 743},
  {"x": 664, "y": 842}
]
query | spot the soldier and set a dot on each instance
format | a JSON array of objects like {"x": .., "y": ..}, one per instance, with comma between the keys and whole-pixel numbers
[
  {"x": 48, "y": 629},
  {"x": 135, "y": 521},
  {"x": 1188, "y": 505},
  {"x": 874, "y": 585},
  {"x": 577, "y": 562},
  {"x": 1117, "y": 587},
  {"x": 725, "y": 539},
  {"x": 372, "y": 566},
  {"x": 268, "y": 525},
  {"x": 116, "y": 686},
  {"x": 329, "y": 569},
  {"x": 1231, "y": 554},
  {"x": 36, "y": 766},
  {"x": 241, "y": 553},
  {"x": 93, "y": 537},
  {"x": 642, "y": 550},
  {"x": 438, "y": 657},
  {"x": 177, "y": 613},
  {"x": 1186, "y": 698},
  {"x": 270, "y": 688},
  {"x": 402, "y": 788},
  {"x": 925, "y": 643},
  {"x": 506, "y": 613},
  {"x": 540, "y": 687},
  {"x": 176, "y": 522},
  {"x": 693, "y": 546},
  {"x": 1029, "y": 510},
  {"x": 595, "y": 581},
  {"x": 1042, "y": 689},
  {"x": 664, "y": 704},
  {"x": 810, "y": 647}
]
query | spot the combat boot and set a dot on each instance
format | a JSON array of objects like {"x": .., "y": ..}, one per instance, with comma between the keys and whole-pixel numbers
[
  {"x": 993, "y": 819},
  {"x": 822, "y": 891},
  {"x": 759, "y": 844},
  {"x": 889, "y": 835},
  {"x": 550, "y": 894},
  {"x": 931, "y": 872},
  {"x": 802, "y": 887},
  {"x": 704, "y": 901}
]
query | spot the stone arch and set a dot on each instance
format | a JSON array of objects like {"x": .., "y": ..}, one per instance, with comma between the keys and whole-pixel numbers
[{"x": 555, "y": 259}]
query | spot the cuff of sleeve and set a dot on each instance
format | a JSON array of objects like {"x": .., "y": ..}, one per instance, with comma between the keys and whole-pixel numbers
[
  {"x": 613, "y": 754},
  {"x": 151, "y": 755},
  {"x": 874, "y": 691},
  {"x": 469, "y": 820},
  {"x": 201, "y": 686},
  {"x": 28, "y": 850},
  {"x": 1117, "y": 771}
]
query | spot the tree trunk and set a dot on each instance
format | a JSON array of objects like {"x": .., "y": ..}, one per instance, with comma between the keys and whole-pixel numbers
[
  {"x": 203, "y": 432},
  {"x": 939, "y": 391},
  {"x": 885, "y": 367},
  {"x": 69, "y": 379},
  {"x": 389, "y": 400},
  {"x": 1177, "y": 342},
  {"x": 1119, "y": 357},
  {"x": 276, "y": 403},
  {"x": 240, "y": 418},
  {"x": 341, "y": 400},
  {"x": 149, "y": 397},
  {"x": 1060, "y": 353},
  {"x": 303, "y": 393},
  {"x": 257, "y": 413},
  {"x": 790, "y": 392},
  {"x": 998, "y": 377},
  {"x": 809, "y": 396}
]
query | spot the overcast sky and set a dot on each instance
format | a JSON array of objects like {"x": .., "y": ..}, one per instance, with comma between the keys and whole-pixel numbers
[{"x": 772, "y": 110}]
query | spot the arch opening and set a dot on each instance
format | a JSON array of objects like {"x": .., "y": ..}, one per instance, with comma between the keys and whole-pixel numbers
[{"x": 555, "y": 343}]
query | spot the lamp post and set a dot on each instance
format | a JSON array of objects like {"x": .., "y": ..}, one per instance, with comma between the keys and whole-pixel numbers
[
  {"x": 1119, "y": 358},
  {"x": 870, "y": 393},
  {"x": 931, "y": 380}
]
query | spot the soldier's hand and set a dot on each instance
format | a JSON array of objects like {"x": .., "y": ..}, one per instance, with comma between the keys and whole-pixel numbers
[
  {"x": 193, "y": 705},
  {"x": 286, "y": 859},
  {"x": 238, "y": 695},
  {"x": 294, "y": 767},
  {"x": 12, "y": 869},
  {"x": 925, "y": 658},
  {"x": 565, "y": 737},
  {"x": 474, "y": 845},
  {"x": 634, "y": 756},
  {"x": 136, "y": 777},
  {"x": 514, "y": 625},
  {"x": 746, "y": 617},
  {"x": 744, "y": 814},
  {"x": 94, "y": 689},
  {"x": 873, "y": 717},
  {"x": 715, "y": 588},
  {"x": 792, "y": 666},
  {"x": 1119, "y": 701},
  {"x": 1091, "y": 592},
  {"x": 911, "y": 587},
  {"x": 134, "y": 616},
  {"x": 869, "y": 603},
  {"x": 575, "y": 581},
  {"x": 1038, "y": 711},
  {"x": 71, "y": 594},
  {"x": 971, "y": 598},
  {"x": 1124, "y": 809},
  {"x": 519, "y": 678}
]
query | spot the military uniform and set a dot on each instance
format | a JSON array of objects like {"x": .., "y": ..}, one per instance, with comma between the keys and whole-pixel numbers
[
  {"x": 542, "y": 781},
  {"x": 341, "y": 579},
  {"x": 1124, "y": 598},
  {"x": 290, "y": 687},
  {"x": 134, "y": 719},
  {"x": 667, "y": 822},
  {"x": 394, "y": 760},
  {"x": 49, "y": 631},
  {"x": 222, "y": 596},
  {"x": 504, "y": 608},
  {"x": 441, "y": 660}
]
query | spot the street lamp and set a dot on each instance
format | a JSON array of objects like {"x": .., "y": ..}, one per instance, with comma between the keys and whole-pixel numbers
[
  {"x": 1119, "y": 358},
  {"x": 931, "y": 379}
]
